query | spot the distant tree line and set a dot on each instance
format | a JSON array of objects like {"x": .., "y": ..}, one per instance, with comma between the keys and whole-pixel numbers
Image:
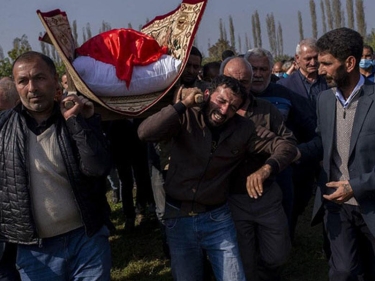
[{"x": 332, "y": 16}]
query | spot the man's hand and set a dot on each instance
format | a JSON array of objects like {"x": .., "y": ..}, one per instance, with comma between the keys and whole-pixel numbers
[
  {"x": 343, "y": 191},
  {"x": 264, "y": 133},
  {"x": 254, "y": 183},
  {"x": 189, "y": 96},
  {"x": 73, "y": 105}
]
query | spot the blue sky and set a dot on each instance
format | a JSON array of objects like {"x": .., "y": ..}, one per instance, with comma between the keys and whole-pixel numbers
[{"x": 19, "y": 17}]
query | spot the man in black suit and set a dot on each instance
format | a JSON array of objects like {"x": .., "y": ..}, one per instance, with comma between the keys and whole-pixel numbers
[{"x": 346, "y": 137}]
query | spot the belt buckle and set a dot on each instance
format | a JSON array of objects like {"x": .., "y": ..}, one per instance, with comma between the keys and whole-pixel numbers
[{"x": 192, "y": 213}]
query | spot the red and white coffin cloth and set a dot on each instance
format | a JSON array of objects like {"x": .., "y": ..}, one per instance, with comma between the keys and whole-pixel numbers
[{"x": 175, "y": 30}]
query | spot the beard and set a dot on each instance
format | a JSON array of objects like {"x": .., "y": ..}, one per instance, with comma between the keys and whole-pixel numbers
[
  {"x": 340, "y": 79},
  {"x": 209, "y": 109}
]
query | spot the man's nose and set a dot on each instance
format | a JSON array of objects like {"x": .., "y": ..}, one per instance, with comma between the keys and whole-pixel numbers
[
  {"x": 314, "y": 61},
  {"x": 224, "y": 109},
  {"x": 31, "y": 86},
  {"x": 321, "y": 70}
]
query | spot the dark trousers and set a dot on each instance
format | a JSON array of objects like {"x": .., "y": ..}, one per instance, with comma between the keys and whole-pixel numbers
[
  {"x": 285, "y": 181},
  {"x": 262, "y": 233},
  {"x": 130, "y": 157},
  {"x": 8, "y": 271},
  {"x": 351, "y": 242},
  {"x": 304, "y": 183}
]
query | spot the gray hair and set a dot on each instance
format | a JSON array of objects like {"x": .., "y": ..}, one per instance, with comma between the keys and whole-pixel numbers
[
  {"x": 260, "y": 53},
  {"x": 308, "y": 42}
]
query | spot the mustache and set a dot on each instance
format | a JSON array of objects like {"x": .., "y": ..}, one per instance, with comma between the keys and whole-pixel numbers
[{"x": 258, "y": 79}]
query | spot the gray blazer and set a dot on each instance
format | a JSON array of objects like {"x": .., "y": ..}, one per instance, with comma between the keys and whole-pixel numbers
[{"x": 361, "y": 153}]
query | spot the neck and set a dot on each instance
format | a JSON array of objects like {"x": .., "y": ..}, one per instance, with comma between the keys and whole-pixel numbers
[
  {"x": 40, "y": 116},
  {"x": 366, "y": 72},
  {"x": 242, "y": 111},
  {"x": 348, "y": 89}
]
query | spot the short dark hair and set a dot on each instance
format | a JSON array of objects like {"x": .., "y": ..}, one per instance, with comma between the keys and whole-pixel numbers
[
  {"x": 231, "y": 83},
  {"x": 227, "y": 54},
  {"x": 369, "y": 48},
  {"x": 341, "y": 43},
  {"x": 210, "y": 65},
  {"x": 194, "y": 51},
  {"x": 31, "y": 55}
]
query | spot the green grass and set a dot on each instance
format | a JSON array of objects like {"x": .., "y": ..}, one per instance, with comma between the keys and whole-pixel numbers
[
  {"x": 307, "y": 261},
  {"x": 138, "y": 256}
]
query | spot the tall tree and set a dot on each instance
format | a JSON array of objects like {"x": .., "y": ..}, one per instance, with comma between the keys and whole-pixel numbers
[
  {"x": 20, "y": 46},
  {"x": 300, "y": 26},
  {"x": 350, "y": 13},
  {"x": 336, "y": 8},
  {"x": 215, "y": 51},
  {"x": 370, "y": 39},
  {"x": 54, "y": 55},
  {"x": 247, "y": 43},
  {"x": 130, "y": 25},
  {"x": 271, "y": 31},
  {"x": 231, "y": 33},
  {"x": 258, "y": 29},
  {"x": 48, "y": 50},
  {"x": 329, "y": 14},
  {"x": 221, "y": 29},
  {"x": 313, "y": 19},
  {"x": 225, "y": 33},
  {"x": 84, "y": 37},
  {"x": 343, "y": 18},
  {"x": 253, "y": 26},
  {"x": 360, "y": 15},
  {"x": 75, "y": 33},
  {"x": 106, "y": 26},
  {"x": 88, "y": 31},
  {"x": 1, "y": 53},
  {"x": 280, "y": 40},
  {"x": 239, "y": 44},
  {"x": 324, "y": 22}
]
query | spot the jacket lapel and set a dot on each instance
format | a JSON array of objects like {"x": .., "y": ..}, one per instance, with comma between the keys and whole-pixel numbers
[
  {"x": 364, "y": 105},
  {"x": 330, "y": 117}
]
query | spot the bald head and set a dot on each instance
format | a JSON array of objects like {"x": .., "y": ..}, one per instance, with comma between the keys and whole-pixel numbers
[{"x": 240, "y": 69}]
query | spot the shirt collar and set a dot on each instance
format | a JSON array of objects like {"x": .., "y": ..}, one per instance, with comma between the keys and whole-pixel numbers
[{"x": 357, "y": 88}]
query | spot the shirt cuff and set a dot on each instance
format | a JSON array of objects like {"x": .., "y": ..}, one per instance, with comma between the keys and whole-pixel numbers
[{"x": 274, "y": 165}]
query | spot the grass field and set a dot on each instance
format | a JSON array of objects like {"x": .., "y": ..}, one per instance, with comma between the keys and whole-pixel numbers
[{"x": 138, "y": 256}]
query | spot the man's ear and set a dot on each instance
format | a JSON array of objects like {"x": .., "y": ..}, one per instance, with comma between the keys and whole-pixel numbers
[
  {"x": 350, "y": 63},
  {"x": 206, "y": 95}
]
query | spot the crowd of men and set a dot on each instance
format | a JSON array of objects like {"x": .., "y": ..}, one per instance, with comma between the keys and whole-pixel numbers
[{"x": 228, "y": 166}]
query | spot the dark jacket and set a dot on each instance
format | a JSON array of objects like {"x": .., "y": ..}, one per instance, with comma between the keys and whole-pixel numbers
[
  {"x": 264, "y": 114},
  {"x": 199, "y": 170},
  {"x": 299, "y": 117},
  {"x": 361, "y": 152},
  {"x": 86, "y": 160},
  {"x": 295, "y": 83}
]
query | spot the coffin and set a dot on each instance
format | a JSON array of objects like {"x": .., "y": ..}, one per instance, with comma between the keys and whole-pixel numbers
[{"x": 176, "y": 30}]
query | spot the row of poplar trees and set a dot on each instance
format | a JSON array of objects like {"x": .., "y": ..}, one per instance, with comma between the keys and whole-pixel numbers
[{"x": 333, "y": 15}]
